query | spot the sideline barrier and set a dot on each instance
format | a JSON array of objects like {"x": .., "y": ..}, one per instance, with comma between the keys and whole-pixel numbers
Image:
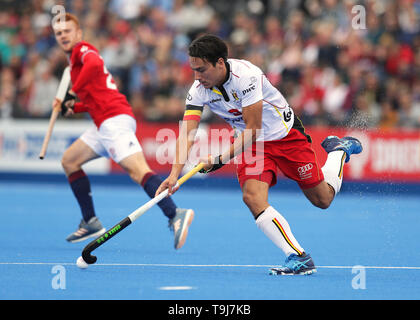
[{"x": 389, "y": 157}]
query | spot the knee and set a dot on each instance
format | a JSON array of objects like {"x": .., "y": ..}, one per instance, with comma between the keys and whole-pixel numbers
[
  {"x": 67, "y": 163},
  {"x": 71, "y": 163},
  {"x": 252, "y": 201},
  {"x": 247, "y": 198},
  {"x": 321, "y": 196},
  {"x": 136, "y": 167}
]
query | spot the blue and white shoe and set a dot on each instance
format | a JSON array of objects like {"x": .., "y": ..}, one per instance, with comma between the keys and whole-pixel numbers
[
  {"x": 86, "y": 230},
  {"x": 349, "y": 145},
  {"x": 180, "y": 224},
  {"x": 295, "y": 265}
]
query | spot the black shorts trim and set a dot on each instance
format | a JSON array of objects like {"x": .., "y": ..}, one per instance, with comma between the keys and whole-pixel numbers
[{"x": 298, "y": 125}]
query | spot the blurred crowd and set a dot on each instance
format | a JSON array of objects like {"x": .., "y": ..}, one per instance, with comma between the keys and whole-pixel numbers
[{"x": 340, "y": 63}]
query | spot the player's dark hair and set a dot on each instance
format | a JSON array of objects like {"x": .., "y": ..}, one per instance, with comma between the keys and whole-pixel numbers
[{"x": 208, "y": 47}]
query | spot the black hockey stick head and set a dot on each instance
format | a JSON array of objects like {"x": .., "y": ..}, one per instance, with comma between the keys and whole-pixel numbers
[
  {"x": 88, "y": 257},
  {"x": 87, "y": 251}
]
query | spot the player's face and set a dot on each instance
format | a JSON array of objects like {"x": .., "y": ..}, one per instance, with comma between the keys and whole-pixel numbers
[
  {"x": 207, "y": 74},
  {"x": 67, "y": 35}
]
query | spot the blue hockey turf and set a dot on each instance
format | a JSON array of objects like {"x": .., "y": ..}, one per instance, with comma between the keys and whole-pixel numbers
[{"x": 365, "y": 247}]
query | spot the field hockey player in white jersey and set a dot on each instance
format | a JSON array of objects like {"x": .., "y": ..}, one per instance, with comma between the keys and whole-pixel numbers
[{"x": 272, "y": 136}]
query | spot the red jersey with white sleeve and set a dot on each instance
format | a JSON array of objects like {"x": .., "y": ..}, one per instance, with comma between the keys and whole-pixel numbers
[{"x": 94, "y": 85}]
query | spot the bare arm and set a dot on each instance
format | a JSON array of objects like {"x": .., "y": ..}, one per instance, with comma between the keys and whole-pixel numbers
[{"x": 183, "y": 145}]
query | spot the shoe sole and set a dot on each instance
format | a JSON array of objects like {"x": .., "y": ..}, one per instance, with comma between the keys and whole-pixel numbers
[
  {"x": 184, "y": 229},
  {"x": 96, "y": 234},
  {"x": 305, "y": 273}
]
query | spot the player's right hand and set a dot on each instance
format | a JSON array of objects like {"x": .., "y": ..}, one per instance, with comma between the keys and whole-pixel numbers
[
  {"x": 169, "y": 184},
  {"x": 211, "y": 164}
]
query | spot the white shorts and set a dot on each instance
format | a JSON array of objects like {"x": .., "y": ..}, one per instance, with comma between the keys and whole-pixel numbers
[{"x": 115, "y": 139}]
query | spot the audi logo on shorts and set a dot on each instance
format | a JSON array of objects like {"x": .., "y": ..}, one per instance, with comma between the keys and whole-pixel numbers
[{"x": 305, "y": 168}]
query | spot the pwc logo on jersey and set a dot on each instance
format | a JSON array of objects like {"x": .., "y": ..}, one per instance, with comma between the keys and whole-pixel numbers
[
  {"x": 305, "y": 171},
  {"x": 249, "y": 89}
]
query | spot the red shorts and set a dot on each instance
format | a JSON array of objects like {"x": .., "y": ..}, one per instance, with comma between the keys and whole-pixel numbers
[{"x": 293, "y": 155}]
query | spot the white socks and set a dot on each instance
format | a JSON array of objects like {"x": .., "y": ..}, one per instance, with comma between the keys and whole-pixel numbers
[
  {"x": 276, "y": 228},
  {"x": 333, "y": 169}
]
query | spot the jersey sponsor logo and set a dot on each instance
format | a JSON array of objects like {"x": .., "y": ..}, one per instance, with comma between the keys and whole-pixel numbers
[
  {"x": 235, "y": 112},
  {"x": 233, "y": 121},
  {"x": 305, "y": 168},
  {"x": 304, "y": 171},
  {"x": 215, "y": 100},
  {"x": 244, "y": 92},
  {"x": 287, "y": 116}
]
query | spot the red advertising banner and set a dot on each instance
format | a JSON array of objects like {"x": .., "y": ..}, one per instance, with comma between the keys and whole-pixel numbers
[
  {"x": 392, "y": 156},
  {"x": 388, "y": 156}
]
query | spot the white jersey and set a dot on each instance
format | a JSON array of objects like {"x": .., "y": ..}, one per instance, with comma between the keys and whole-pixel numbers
[{"x": 245, "y": 86}]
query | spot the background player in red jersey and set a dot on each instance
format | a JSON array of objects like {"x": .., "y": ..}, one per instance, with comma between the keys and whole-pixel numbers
[{"x": 112, "y": 136}]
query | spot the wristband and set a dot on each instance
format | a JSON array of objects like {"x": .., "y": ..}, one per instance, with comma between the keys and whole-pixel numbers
[
  {"x": 68, "y": 97},
  {"x": 215, "y": 166}
]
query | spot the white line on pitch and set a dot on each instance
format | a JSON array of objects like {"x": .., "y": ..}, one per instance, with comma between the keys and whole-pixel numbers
[
  {"x": 172, "y": 288},
  {"x": 200, "y": 265}
]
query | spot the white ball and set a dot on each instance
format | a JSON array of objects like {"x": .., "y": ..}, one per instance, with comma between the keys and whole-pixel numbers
[{"x": 81, "y": 263}]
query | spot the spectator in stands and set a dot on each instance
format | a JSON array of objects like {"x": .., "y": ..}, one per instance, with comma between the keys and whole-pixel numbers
[
  {"x": 139, "y": 39},
  {"x": 389, "y": 116},
  {"x": 363, "y": 114},
  {"x": 409, "y": 112},
  {"x": 42, "y": 92},
  {"x": 194, "y": 16},
  {"x": 333, "y": 101},
  {"x": 7, "y": 93}
]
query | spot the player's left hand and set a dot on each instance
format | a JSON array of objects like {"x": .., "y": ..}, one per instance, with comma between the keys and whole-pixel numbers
[
  {"x": 169, "y": 183},
  {"x": 58, "y": 104},
  {"x": 211, "y": 164},
  {"x": 68, "y": 103}
]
